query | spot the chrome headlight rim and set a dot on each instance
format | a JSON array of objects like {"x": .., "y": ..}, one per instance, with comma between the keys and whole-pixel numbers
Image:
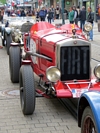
[
  {"x": 88, "y": 27},
  {"x": 57, "y": 74},
  {"x": 97, "y": 71}
]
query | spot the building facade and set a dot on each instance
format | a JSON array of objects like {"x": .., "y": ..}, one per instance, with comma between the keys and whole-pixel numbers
[{"x": 92, "y": 3}]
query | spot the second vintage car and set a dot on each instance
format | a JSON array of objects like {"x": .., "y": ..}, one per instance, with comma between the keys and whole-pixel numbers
[
  {"x": 89, "y": 112},
  {"x": 13, "y": 29}
]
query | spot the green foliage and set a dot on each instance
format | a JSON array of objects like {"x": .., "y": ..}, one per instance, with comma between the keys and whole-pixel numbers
[{"x": 3, "y": 1}]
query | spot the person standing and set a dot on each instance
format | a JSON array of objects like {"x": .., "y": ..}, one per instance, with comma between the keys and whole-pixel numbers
[
  {"x": 42, "y": 14},
  {"x": 75, "y": 15},
  {"x": 57, "y": 11},
  {"x": 71, "y": 15},
  {"x": 98, "y": 16},
  {"x": 1, "y": 14},
  {"x": 45, "y": 10},
  {"x": 37, "y": 15},
  {"x": 90, "y": 18},
  {"x": 82, "y": 17},
  {"x": 78, "y": 9},
  {"x": 1, "y": 17},
  {"x": 53, "y": 11},
  {"x": 50, "y": 15},
  {"x": 22, "y": 13}
]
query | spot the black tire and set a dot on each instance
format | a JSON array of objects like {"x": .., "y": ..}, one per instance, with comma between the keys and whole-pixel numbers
[
  {"x": 8, "y": 39},
  {"x": 88, "y": 123},
  {"x": 27, "y": 89},
  {"x": 14, "y": 63}
]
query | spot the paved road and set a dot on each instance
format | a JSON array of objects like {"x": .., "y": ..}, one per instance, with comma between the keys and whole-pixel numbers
[{"x": 49, "y": 116}]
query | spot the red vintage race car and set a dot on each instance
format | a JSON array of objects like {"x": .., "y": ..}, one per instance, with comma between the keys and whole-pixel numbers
[{"x": 60, "y": 56}]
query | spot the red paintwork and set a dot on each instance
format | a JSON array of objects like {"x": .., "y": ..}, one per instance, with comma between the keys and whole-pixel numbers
[
  {"x": 38, "y": 33},
  {"x": 1, "y": 47}
]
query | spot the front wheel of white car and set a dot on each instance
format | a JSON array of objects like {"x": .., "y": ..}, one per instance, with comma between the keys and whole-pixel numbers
[{"x": 8, "y": 39}]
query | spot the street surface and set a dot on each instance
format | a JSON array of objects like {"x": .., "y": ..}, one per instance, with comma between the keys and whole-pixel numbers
[{"x": 49, "y": 116}]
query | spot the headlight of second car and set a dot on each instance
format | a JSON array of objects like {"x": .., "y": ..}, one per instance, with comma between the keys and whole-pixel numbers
[
  {"x": 53, "y": 74},
  {"x": 97, "y": 71}
]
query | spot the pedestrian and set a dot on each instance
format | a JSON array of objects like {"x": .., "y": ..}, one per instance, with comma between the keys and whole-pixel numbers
[
  {"x": 2, "y": 14},
  {"x": 98, "y": 16},
  {"x": 75, "y": 15},
  {"x": 45, "y": 10},
  {"x": 71, "y": 15},
  {"x": 1, "y": 17},
  {"x": 90, "y": 18},
  {"x": 42, "y": 14},
  {"x": 8, "y": 12},
  {"x": 78, "y": 9},
  {"x": 49, "y": 15},
  {"x": 53, "y": 12},
  {"x": 82, "y": 17},
  {"x": 57, "y": 11},
  {"x": 37, "y": 15},
  {"x": 22, "y": 13}
]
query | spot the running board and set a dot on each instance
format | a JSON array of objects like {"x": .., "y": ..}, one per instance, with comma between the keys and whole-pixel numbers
[{"x": 69, "y": 105}]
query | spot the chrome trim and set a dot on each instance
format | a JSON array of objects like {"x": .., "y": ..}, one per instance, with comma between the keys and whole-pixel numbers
[
  {"x": 70, "y": 42},
  {"x": 37, "y": 55},
  {"x": 78, "y": 83}
]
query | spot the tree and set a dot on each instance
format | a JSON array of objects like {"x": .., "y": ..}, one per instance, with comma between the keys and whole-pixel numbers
[{"x": 3, "y": 1}]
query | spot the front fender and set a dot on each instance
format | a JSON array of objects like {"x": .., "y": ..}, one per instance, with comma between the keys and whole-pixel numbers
[
  {"x": 91, "y": 99},
  {"x": 8, "y": 30}
]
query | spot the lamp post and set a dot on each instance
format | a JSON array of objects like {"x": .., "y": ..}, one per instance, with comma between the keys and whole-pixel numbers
[{"x": 62, "y": 4}]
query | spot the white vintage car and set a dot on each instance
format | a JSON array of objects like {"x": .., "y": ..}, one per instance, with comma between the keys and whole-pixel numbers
[{"x": 13, "y": 29}]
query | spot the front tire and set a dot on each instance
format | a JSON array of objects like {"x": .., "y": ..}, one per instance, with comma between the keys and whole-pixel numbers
[
  {"x": 27, "y": 89},
  {"x": 88, "y": 123},
  {"x": 8, "y": 42},
  {"x": 14, "y": 63}
]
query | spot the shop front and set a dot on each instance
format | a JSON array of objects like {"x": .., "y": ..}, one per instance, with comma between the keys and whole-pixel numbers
[{"x": 69, "y": 3}]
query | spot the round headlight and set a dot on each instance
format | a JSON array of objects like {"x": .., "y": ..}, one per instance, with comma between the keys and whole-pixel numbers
[
  {"x": 88, "y": 27},
  {"x": 97, "y": 71},
  {"x": 53, "y": 74}
]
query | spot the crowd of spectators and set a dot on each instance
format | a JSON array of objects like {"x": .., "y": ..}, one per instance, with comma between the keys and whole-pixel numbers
[
  {"x": 74, "y": 14},
  {"x": 41, "y": 14}
]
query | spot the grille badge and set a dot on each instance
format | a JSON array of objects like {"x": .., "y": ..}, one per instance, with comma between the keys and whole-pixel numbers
[{"x": 75, "y": 42}]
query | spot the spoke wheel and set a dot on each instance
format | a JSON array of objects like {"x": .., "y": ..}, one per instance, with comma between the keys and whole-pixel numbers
[{"x": 88, "y": 123}]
